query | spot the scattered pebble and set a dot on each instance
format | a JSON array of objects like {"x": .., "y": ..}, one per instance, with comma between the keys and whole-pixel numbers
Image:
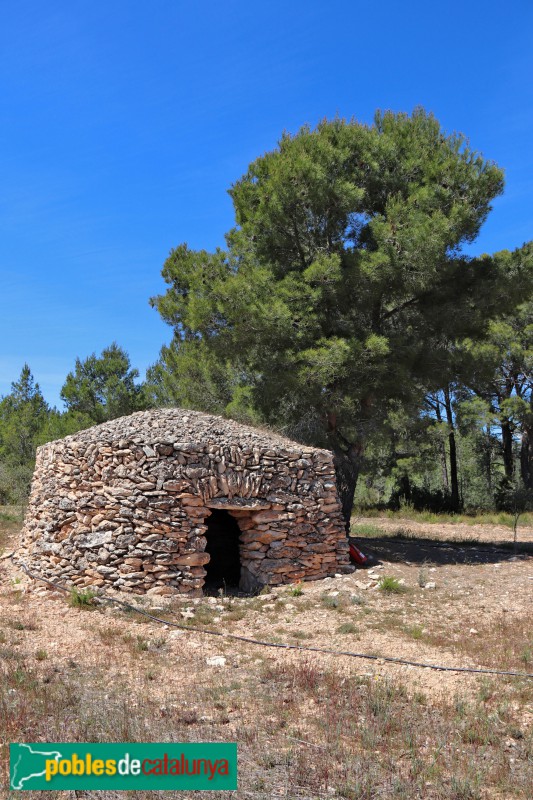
[{"x": 215, "y": 661}]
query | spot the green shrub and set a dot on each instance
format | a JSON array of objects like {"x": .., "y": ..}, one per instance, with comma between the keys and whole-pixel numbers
[
  {"x": 347, "y": 627},
  {"x": 391, "y": 585},
  {"x": 81, "y": 598},
  {"x": 330, "y": 602},
  {"x": 365, "y": 530},
  {"x": 296, "y": 590}
]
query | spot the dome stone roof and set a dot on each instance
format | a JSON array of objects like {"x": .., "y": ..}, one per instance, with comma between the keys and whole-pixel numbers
[{"x": 188, "y": 429}]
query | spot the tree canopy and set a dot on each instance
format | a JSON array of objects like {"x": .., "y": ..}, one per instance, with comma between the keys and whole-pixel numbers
[
  {"x": 23, "y": 414},
  {"x": 103, "y": 387},
  {"x": 344, "y": 285},
  {"x": 99, "y": 388}
]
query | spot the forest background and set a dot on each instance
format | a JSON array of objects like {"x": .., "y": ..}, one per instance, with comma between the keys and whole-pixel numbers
[{"x": 343, "y": 312}]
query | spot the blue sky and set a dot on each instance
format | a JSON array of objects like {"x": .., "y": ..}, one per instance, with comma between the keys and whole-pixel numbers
[{"x": 123, "y": 124}]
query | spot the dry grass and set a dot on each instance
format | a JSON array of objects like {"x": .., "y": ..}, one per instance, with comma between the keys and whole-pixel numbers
[
  {"x": 480, "y": 518},
  {"x": 10, "y": 522},
  {"x": 301, "y": 729},
  {"x": 503, "y": 643},
  {"x": 308, "y": 727}
]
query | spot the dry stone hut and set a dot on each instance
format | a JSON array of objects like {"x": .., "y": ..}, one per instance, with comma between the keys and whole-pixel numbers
[{"x": 170, "y": 501}]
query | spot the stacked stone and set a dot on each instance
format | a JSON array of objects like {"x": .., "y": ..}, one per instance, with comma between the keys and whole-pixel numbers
[{"x": 125, "y": 505}]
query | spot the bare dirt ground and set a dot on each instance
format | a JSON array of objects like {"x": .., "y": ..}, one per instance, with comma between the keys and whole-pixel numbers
[{"x": 309, "y": 725}]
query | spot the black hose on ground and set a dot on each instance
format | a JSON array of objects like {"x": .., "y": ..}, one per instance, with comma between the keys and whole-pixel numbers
[{"x": 278, "y": 645}]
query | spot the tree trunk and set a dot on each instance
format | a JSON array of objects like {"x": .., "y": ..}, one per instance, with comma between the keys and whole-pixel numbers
[
  {"x": 488, "y": 462},
  {"x": 526, "y": 458},
  {"x": 348, "y": 460},
  {"x": 507, "y": 444},
  {"x": 442, "y": 448},
  {"x": 453, "y": 451},
  {"x": 405, "y": 488},
  {"x": 347, "y": 469},
  {"x": 444, "y": 467}
]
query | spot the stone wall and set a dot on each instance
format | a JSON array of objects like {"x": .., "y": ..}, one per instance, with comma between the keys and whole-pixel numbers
[{"x": 125, "y": 505}]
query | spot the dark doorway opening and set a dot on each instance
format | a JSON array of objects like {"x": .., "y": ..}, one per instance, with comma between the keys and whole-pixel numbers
[{"x": 224, "y": 567}]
